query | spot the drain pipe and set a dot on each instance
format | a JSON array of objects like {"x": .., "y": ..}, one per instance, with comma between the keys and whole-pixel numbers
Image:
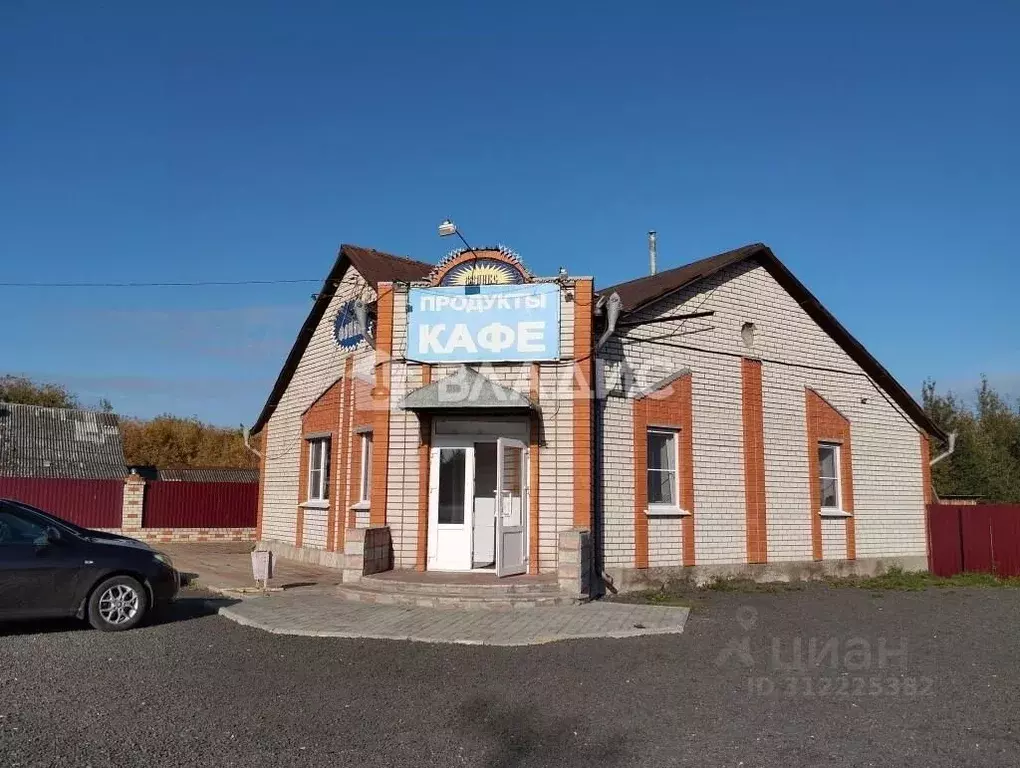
[
  {"x": 947, "y": 453},
  {"x": 246, "y": 431},
  {"x": 361, "y": 319},
  {"x": 600, "y": 581},
  {"x": 613, "y": 308}
]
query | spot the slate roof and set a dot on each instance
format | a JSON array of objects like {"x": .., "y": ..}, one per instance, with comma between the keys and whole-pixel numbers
[
  {"x": 59, "y": 442},
  {"x": 376, "y": 267},
  {"x": 209, "y": 475},
  {"x": 639, "y": 293}
]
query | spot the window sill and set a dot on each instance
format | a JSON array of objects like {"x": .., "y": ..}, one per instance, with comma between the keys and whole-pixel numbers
[
  {"x": 666, "y": 512},
  {"x": 361, "y": 505},
  {"x": 315, "y": 504},
  {"x": 835, "y": 513}
]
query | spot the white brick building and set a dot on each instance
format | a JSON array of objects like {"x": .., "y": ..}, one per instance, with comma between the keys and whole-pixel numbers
[{"x": 711, "y": 418}]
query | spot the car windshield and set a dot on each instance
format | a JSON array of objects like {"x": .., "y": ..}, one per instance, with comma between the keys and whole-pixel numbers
[{"x": 49, "y": 519}]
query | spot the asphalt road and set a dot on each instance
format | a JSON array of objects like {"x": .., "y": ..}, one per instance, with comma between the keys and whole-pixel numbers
[{"x": 199, "y": 690}]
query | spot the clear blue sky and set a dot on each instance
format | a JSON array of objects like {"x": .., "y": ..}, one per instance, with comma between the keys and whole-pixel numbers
[{"x": 875, "y": 149}]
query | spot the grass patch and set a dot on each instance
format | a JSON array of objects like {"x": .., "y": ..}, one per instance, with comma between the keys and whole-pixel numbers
[
  {"x": 662, "y": 597},
  {"x": 720, "y": 584},
  {"x": 914, "y": 581},
  {"x": 685, "y": 593}
]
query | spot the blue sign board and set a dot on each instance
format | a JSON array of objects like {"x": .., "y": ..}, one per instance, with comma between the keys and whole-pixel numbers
[
  {"x": 484, "y": 323},
  {"x": 346, "y": 331}
]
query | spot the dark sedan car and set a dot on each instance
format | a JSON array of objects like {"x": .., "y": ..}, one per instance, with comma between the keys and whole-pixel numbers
[{"x": 50, "y": 568}]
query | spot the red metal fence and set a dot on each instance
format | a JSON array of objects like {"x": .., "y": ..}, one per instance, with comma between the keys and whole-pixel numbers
[
  {"x": 171, "y": 504},
  {"x": 983, "y": 538},
  {"x": 88, "y": 503}
]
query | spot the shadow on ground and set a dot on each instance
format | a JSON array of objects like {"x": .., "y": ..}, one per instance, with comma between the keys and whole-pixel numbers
[
  {"x": 185, "y": 608},
  {"x": 516, "y": 735}
]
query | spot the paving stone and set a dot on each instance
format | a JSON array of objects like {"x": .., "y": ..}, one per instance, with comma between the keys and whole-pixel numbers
[{"x": 323, "y": 615}]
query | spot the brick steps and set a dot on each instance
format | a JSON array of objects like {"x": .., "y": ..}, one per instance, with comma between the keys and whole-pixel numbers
[{"x": 488, "y": 596}]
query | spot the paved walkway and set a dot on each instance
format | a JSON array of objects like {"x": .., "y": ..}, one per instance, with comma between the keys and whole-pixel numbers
[
  {"x": 226, "y": 567},
  {"x": 323, "y": 615}
]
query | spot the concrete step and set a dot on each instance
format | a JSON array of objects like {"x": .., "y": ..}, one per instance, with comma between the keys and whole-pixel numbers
[
  {"x": 457, "y": 585},
  {"x": 368, "y": 591}
]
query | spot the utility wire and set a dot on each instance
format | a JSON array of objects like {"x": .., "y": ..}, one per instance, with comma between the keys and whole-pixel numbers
[{"x": 198, "y": 283}]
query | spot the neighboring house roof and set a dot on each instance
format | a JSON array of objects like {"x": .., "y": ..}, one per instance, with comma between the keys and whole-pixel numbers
[
  {"x": 209, "y": 475},
  {"x": 376, "y": 267},
  {"x": 59, "y": 442},
  {"x": 639, "y": 293}
]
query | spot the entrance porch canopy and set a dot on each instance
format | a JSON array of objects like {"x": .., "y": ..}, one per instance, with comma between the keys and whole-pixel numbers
[{"x": 466, "y": 390}]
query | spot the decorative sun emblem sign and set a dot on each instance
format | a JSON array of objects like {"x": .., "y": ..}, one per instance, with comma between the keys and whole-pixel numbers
[
  {"x": 483, "y": 271},
  {"x": 483, "y": 266},
  {"x": 345, "y": 327}
]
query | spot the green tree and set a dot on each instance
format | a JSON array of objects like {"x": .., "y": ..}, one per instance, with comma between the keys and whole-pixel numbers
[
  {"x": 18, "y": 389},
  {"x": 986, "y": 461}
]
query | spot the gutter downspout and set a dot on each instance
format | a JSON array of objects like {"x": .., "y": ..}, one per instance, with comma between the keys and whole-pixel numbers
[
  {"x": 612, "y": 308},
  {"x": 947, "y": 453},
  {"x": 247, "y": 437},
  {"x": 361, "y": 318}
]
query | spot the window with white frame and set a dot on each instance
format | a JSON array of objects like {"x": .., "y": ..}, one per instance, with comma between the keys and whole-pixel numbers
[
  {"x": 828, "y": 474},
  {"x": 318, "y": 469},
  {"x": 365, "y": 481},
  {"x": 663, "y": 460}
]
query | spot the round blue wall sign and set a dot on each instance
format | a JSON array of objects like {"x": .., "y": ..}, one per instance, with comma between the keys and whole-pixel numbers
[{"x": 345, "y": 327}]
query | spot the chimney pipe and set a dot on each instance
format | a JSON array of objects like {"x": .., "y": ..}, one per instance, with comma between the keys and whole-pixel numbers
[{"x": 651, "y": 252}]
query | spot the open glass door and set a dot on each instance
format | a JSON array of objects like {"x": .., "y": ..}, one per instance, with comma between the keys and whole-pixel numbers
[
  {"x": 511, "y": 507},
  {"x": 450, "y": 488}
]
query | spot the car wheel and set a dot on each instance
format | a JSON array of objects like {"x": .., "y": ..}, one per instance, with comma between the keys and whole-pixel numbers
[{"x": 117, "y": 604}]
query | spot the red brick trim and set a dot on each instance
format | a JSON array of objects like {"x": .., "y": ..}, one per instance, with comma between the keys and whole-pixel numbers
[
  {"x": 754, "y": 460},
  {"x": 424, "y": 458},
  {"x": 686, "y": 394},
  {"x": 337, "y": 529},
  {"x": 361, "y": 416},
  {"x": 826, "y": 424},
  {"x": 533, "y": 473},
  {"x": 299, "y": 521},
  {"x": 582, "y": 411},
  {"x": 671, "y": 406},
  {"x": 321, "y": 418},
  {"x": 926, "y": 468},
  {"x": 264, "y": 445},
  {"x": 927, "y": 491},
  {"x": 381, "y": 404}
]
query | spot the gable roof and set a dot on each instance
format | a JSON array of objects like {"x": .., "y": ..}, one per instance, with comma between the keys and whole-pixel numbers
[
  {"x": 650, "y": 288},
  {"x": 639, "y": 293},
  {"x": 376, "y": 267},
  {"x": 59, "y": 442}
]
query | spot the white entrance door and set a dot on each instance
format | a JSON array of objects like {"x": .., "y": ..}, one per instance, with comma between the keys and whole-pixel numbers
[
  {"x": 451, "y": 490},
  {"x": 511, "y": 507}
]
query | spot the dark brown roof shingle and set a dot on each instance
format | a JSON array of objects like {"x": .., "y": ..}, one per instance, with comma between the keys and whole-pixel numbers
[
  {"x": 643, "y": 291},
  {"x": 376, "y": 267}
]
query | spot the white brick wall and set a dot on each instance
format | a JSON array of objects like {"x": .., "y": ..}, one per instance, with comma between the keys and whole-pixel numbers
[
  {"x": 321, "y": 365},
  {"x": 889, "y": 507},
  {"x": 618, "y": 461},
  {"x": 555, "y": 458}
]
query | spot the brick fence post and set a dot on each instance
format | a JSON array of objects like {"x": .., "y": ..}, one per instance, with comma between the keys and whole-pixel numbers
[
  {"x": 354, "y": 555},
  {"x": 134, "y": 502},
  {"x": 572, "y": 563}
]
